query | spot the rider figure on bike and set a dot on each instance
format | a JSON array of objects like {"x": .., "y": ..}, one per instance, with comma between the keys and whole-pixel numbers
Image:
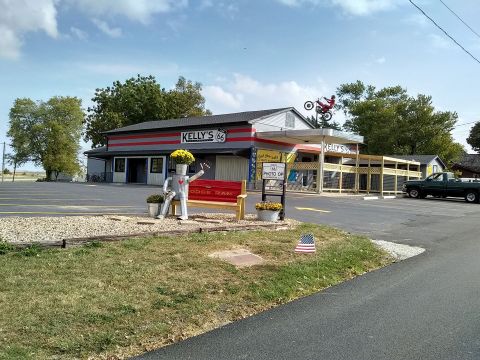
[{"x": 328, "y": 106}]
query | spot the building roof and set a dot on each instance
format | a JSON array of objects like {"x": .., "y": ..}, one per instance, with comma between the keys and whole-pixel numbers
[
  {"x": 240, "y": 117},
  {"x": 422, "y": 159},
  {"x": 469, "y": 162}
]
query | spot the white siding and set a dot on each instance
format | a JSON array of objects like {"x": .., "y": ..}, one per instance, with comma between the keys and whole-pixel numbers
[
  {"x": 279, "y": 122},
  {"x": 231, "y": 168},
  {"x": 156, "y": 178}
]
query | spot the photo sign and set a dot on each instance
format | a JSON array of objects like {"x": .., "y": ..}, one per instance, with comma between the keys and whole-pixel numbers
[
  {"x": 204, "y": 136},
  {"x": 273, "y": 171}
]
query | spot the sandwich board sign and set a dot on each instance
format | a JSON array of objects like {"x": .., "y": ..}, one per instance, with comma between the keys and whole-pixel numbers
[{"x": 273, "y": 171}]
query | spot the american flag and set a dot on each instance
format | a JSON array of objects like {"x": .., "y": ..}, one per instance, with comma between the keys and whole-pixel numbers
[{"x": 306, "y": 244}]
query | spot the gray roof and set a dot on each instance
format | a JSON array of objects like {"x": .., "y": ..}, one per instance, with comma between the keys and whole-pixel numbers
[
  {"x": 241, "y": 117},
  {"x": 470, "y": 162},
  {"x": 422, "y": 159}
]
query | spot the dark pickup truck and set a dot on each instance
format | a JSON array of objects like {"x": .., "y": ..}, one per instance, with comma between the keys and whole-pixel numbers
[{"x": 443, "y": 185}]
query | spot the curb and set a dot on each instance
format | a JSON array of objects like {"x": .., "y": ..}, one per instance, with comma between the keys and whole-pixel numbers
[{"x": 385, "y": 197}]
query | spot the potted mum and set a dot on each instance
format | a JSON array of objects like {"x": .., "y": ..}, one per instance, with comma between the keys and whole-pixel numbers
[
  {"x": 268, "y": 211},
  {"x": 182, "y": 158},
  {"x": 154, "y": 202}
]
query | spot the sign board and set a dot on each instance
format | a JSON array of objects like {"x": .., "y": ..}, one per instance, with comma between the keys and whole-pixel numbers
[
  {"x": 273, "y": 171},
  {"x": 204, "y": 136},
  {"x": 342, "y": 149}
]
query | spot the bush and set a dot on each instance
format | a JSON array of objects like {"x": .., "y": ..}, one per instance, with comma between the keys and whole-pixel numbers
[
  {"x": 155, "y": 199},
  {"x": 268, "y": 205},
  {"x": 182, "y": 157},
  {"x": 6, "y": 171}
]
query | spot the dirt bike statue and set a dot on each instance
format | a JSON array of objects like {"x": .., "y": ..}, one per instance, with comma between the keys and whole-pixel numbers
[{"x": 324, "y": 110}]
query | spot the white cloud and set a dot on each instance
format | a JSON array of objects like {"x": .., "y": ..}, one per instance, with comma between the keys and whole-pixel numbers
[
  {"x": 18, "y": 17},
  {"x": 80, "y": 34},
  {"x": 381, "y": 60},
  {"x": 135, "y": 10},
  {"x": 105, "y": 28},
  {"x": 243, "y": 92},
  {"x": 22, "y": 16},
  {"x": 353, "y": 7},
  {"x": 217, "y": 96}
]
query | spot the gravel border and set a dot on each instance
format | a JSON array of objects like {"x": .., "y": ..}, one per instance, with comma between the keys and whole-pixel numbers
[
  {"x": 399, "y": 251},
  {"x": 54, "y": 229}
]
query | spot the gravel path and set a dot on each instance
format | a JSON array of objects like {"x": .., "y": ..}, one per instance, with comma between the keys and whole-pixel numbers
[{"x": 45, "y": 229}]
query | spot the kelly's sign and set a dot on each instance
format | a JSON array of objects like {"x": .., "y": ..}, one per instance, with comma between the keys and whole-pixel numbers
[{"x": 204, "y": 136}]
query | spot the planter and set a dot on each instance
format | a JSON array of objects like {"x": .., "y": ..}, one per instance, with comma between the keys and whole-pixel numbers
[
  {"x": 181, "y": 169},
  {"x": 268, "y": 215},
  {"x": 153, "y": 209}
]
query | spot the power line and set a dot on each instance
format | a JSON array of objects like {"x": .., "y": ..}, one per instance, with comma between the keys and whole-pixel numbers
[
  {"x": 459, "y": 18},
  {"x": 446, "y": 33},
  {"x": 468, "y": 123}
]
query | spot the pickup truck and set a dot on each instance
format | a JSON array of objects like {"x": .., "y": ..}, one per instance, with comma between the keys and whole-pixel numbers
[{"x": 443, "y": 184}]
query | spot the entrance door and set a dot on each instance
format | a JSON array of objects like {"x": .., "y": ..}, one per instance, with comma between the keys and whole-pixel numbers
[{"x": 137, "y": 170}]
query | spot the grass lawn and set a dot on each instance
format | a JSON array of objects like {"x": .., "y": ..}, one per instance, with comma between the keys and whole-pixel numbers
[{"x": 121, "y": 299}]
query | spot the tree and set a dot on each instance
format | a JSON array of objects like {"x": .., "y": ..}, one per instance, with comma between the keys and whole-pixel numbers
[
  {"x": 322, "y": 123},
  {"x": 141, "y": 99},
  {"x": 474, "y": 138},
  {"x": 393, "y": 122},
  {"x": 20, "y": 124},
  {"x": 47, "y": 133}
]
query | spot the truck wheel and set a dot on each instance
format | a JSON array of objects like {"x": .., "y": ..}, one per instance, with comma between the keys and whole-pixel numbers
[
  {"x": 471, "y": 197},
  {"x": 414, "y": 193}
]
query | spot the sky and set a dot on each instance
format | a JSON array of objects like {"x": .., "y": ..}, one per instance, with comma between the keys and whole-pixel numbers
[{"x": 248, "y": 54}]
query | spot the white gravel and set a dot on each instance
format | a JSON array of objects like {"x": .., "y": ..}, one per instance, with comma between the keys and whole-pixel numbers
[
  {"x": 46, "y": 229},
  {"x": 399, "y": 251}
]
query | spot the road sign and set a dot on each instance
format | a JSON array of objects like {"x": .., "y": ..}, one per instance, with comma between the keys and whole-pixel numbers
[{"x": 273, "y": 171}]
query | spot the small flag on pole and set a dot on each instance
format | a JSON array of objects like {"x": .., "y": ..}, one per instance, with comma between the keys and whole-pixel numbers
[{"x": 306, "y": 244}]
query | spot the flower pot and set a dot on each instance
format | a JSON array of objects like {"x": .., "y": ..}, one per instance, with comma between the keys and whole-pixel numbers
[
  {"x": 268, "y": 215},
  {"x": 181, "y": 169},
  {"x": 153, "y": 209}
]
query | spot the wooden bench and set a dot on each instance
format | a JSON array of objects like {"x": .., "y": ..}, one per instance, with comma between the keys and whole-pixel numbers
[{"x": 216, "y": 194}]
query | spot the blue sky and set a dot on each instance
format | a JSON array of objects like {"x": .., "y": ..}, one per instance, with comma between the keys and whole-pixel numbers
[{"x": 248, "y": 54}]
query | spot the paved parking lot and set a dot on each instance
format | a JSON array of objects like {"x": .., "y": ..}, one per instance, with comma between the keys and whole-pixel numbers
[
  {"x": 56, "y": 199},
  {"x": 402, "y": 219}
]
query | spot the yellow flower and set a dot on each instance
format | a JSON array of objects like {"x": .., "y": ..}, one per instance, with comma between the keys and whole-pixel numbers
[
  {"x": 268, "y": 205},
  {"x": 182, "y": 157}
]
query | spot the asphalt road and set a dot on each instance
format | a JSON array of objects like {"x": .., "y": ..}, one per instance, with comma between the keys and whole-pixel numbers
[{"x": 426, "y": 307}]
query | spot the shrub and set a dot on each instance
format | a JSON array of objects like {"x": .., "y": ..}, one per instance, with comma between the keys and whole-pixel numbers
[
  {"x": 268, "y": 205},
  {"x": 182, "y": 157},
  {"x": 155, "y": 199}
]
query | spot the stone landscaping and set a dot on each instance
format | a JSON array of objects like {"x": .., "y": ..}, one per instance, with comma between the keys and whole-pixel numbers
[{"x": 54, "y": 229}]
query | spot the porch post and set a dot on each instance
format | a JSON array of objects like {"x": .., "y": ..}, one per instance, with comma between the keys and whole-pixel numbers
[
  {"x": 340, "y": 183},
  {"x": 357, "y": 174},
  {"x": 369, "y": 177},
  {"x": 321, "y": 159},
  {"x": 396, "y": 178},
  {"x": 381, "y": 175}
]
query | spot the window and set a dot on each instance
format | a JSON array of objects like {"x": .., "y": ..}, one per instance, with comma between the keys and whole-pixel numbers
[
  {"x": 290, "y": 121},
  {"x": 156, "y": 165},
  {"x": 435, "y": 168},
  {"x": 119, "y": 165}
]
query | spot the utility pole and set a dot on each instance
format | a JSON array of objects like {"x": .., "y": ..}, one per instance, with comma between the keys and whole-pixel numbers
[{"x": 3, "y": 159}]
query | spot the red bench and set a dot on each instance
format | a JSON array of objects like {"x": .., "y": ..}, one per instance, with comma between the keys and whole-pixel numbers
[{"x": 217, "y": 194}]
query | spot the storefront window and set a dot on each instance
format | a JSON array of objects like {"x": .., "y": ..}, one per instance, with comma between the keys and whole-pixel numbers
[
  {"x": 119, "y": 165},
  {"x": 156, "y": 165}
]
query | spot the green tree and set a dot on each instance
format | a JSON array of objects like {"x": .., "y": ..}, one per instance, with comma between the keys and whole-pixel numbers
[
  {"x": 21, "y": 121},
  {"x": 47, "y": 133},
  {"x": 474, "y": 137},
  {"x": 322, "y": 123},
  {"x": 141, "y": 99},
  {"x": 393, "y": 122}
]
